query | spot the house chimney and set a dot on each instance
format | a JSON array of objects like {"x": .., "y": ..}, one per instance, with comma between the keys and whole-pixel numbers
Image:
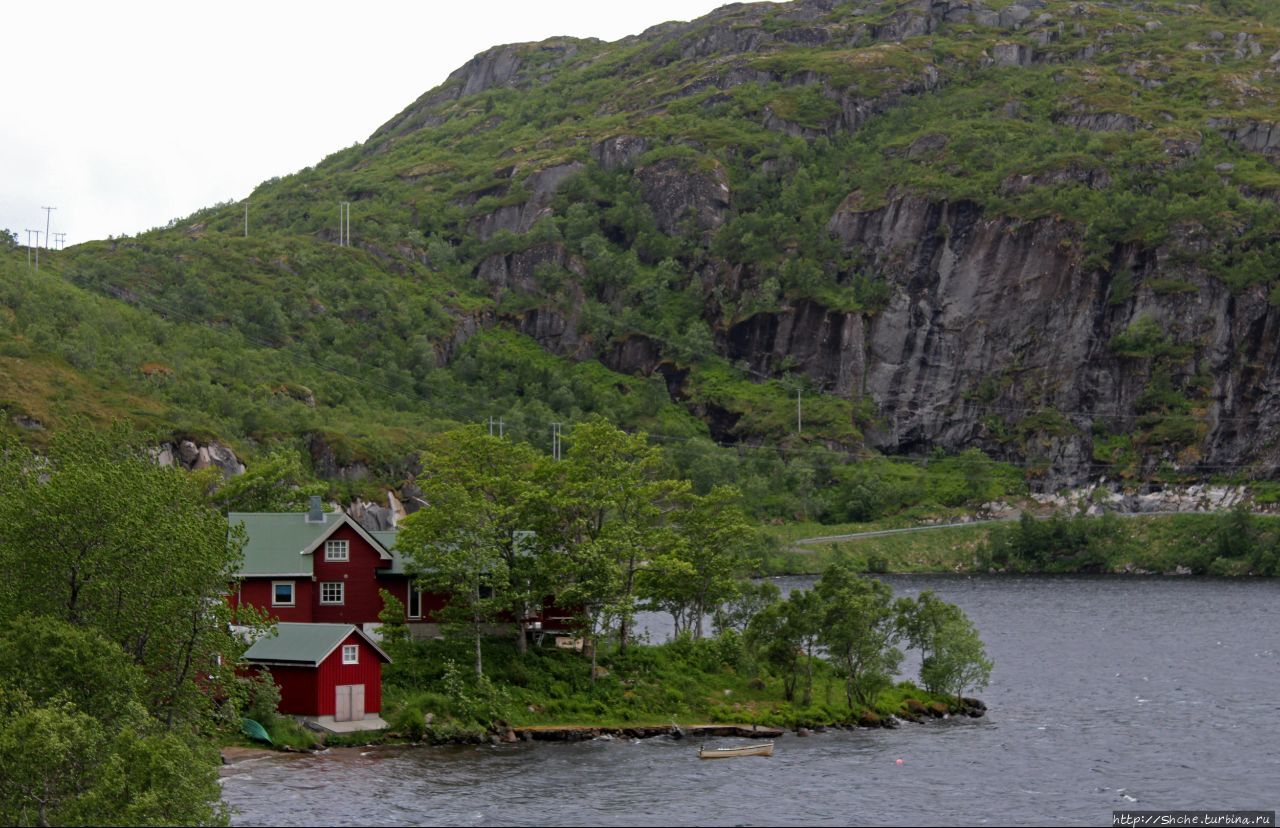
[{"x": 315, "y": 514}]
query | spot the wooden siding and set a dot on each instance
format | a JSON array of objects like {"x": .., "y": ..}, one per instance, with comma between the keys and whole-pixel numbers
[
  {"x": 298, "y": 694},
  {"x": 256, "y": 592},
  {"x": 332, "y": 672},
  {"x": 360, "y": 601}
]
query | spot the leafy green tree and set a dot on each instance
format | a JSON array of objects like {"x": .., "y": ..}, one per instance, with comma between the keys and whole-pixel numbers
[
  {"x": 95, "y": 534},
  {"x": 76, "y": 742},
  {"x": 953, "y": 656},
  {"x": 8, "y": 239},
  {"x": 705, "y": 565},
  {"x": 804, "y": 613},
  {"x": 612, "y": 503},
  {"x": 960, "y": 661},
  {"x": 483, "y": 492},
  {"x": 774, "y": 641},
  {"x": 277, "y": 483},
  {"x": 785, "y": 635},
  {"x": 1236, "y": 535},
  {"x": 751, "y": 599},
  {"x": 859, "y": 630}
]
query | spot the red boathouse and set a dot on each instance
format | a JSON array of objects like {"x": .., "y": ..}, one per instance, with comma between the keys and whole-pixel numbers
[{"x": 328, "y": 673}]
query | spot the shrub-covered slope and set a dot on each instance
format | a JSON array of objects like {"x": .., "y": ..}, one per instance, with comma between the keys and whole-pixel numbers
[{"x": 1043, "y": 229}]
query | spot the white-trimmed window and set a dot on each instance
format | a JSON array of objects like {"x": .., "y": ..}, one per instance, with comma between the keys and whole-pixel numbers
[
  {"x": 350, "y": 653},
  {"x": 331, "y": 592},
  {"x": 414, "y": 609},
  {"x": 336, "y": 550},
  {"x": 282, "y": 593}
]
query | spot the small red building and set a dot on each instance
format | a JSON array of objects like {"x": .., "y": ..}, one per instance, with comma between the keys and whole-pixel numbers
[{"x": 329, "y": 673}]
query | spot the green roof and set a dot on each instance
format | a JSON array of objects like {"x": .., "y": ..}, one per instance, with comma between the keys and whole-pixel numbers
[
  {"x": 388, "y": 540},
  {"x": 304, "y": 643},
  {"x": 277, "y": 541}
]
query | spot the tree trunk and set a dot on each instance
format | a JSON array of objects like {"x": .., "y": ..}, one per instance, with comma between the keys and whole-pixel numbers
[{"x": 808, "y": 675}]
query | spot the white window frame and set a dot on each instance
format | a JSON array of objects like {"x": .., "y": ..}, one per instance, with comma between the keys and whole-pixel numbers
[
  {"x": 293, "y": 594},
  {"x": 338, "y": 551},
  {"x": 350, "y": 653},
  {"x": 408, "y": 607},
  {"x": 342, "y": 593}
]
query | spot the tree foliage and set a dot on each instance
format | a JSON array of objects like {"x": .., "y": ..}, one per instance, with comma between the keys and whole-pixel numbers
[
  {"x": 95, "y": 534},
  {"x": 77, "y": 743},
  {"x": 114, "y": 635}
]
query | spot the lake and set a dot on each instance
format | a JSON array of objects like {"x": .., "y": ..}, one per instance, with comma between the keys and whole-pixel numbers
[{"x": 1108, "y": 693}]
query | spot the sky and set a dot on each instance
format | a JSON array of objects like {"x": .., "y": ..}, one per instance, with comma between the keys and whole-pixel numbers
[{"x": 124, "y": 115}]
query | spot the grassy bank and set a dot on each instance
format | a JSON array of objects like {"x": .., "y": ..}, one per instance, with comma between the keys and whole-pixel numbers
[
  {"x": 430, "y": 694},
  {"x": 1228, "y": 543}
]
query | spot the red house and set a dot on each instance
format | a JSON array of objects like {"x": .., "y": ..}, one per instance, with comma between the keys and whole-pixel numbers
[
  {"x": 324, "y": 567},
  {"x": 328, "y": 673}
]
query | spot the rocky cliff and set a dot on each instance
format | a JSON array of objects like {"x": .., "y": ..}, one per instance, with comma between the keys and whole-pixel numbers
[{"x": 1047, "y": 229}]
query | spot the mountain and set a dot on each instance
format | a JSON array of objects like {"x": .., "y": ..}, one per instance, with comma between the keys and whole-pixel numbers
[{"x": 1045, "y": 229}]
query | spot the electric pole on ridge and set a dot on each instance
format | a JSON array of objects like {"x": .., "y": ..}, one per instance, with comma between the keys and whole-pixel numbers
[{"x": 48, "y": 214}]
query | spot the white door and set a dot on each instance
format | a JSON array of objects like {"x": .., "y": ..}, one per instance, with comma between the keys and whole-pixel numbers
[
  {"x": 357, "y": 702},
  {"x": 349, "y": 706}
]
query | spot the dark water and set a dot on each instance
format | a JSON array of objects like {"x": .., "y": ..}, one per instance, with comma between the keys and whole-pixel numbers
[{"x": 1108, "y": 693}]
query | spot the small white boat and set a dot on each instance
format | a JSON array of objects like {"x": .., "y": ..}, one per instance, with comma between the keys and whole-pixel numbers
[{"x": 746, "y": 750}]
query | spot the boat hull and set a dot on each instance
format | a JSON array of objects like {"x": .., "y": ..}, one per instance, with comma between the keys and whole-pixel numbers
[{"x": 731, "y": 753}]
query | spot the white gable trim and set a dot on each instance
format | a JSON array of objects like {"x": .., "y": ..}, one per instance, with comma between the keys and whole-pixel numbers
[
  {"x": 345, "y": 636},
  {"x": 347, "y": 521}
]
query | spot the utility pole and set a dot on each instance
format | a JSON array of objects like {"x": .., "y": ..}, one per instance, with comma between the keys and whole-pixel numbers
[
  {"x": 29, "y": 232},
  {"x": 555, "y": 441},
  {"x": 37, "y": 232},
  {"x": 344, "y": 224},
  {"x": 61, "y": 239},
  {"x": 246, "y": 219},
  {"x": 48, "y": 214}
]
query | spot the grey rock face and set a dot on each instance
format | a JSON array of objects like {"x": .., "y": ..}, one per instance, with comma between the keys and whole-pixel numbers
[
  {"x": 1015, "y": 15},
  {"x": 552, "y": 329},
  {"x": 677, "y": 194},
  {"x": 193, "y": 457},
  {"x": 519, "y": 218},
  {"x": 827, "y": 346},
  {"x": 1012, "y": 54},
  {"x": 620, "y": 152},
  {"x": 371, "y": 516},
  {"x": 1255, "y": 136},
  {"x": 517, "y": 271},
  {"x": 1005, "y": 305}
]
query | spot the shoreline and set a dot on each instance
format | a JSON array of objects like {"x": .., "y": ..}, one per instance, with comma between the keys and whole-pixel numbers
[{"x": 912, "y": 711}]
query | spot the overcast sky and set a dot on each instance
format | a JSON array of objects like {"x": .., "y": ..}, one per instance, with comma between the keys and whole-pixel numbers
[{"x": 124, "y": 115}]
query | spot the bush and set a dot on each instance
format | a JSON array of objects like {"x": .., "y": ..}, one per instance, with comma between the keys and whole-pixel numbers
[{"x": 411, "y": 722}]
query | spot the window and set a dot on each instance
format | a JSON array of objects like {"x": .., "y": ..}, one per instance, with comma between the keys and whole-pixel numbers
[
  {"x": 336, "y": 550},
  {"x": 331, "y": 592},
  {"x": 415, "y": 603},
  {"x": 282, "y": 593},
  {"x": 350, "y": 653}
]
